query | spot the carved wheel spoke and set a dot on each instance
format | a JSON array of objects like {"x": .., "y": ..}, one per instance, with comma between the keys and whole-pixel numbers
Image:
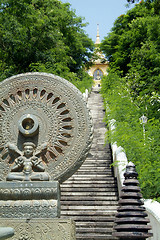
[{"x": 63, "y": 121}]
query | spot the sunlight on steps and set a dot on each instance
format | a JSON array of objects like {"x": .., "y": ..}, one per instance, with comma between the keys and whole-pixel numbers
[{"x": 90, "y": 196}]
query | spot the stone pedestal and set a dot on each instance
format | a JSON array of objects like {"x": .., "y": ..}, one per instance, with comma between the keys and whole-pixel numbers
[
  {"x": 41, "y": 229},
  {"x": 33, "y": 210},
  {"x": 29, "y": 200}
]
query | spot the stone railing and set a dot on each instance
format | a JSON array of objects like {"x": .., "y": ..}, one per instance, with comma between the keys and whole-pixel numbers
[
  {"x": 87, "y": 92},
  {"x": 85, "y": 95},
  {"x": 152, "y": 207}
]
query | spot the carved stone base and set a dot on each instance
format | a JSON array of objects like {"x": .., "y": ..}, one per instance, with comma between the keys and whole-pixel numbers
[
  {"x": 29, "y": 200},
  {"x": 41, "y": 229}
]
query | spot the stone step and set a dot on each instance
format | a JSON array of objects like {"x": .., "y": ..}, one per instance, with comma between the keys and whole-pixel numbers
[
  {"x": 94, "y": 173},
  {"x": 102, "y": 145},
  {"x": 101, "y": 166},
  {"x": 102, "y": 173},
  {"x": 96, "y": 156},
  {"x": 109, "y": 213},
  {"x": 95, "y": 165},
  {"x": 95, "y": 236},
  {"x": 102, "y": 155},
  {"x": 102, "y": 150},
  {"x": 93, "y": 158},
  {"x": 94, "y": 224},
  {"x": 85, "y": 185},
  {"x": 97, "y": 199},
  {"x": 87, "y": 168},
  {"x": 98, "y": 176},
  {"x": 92, "y": 219},
  {"x": 95, "y": 162},
  {"x": 90, "y": 196},
  {"x": 91, "y": 177},
  {"x": 100, "y": 162},
  {"x": 99, "y": 147},
  {"x": 100, "y": 140},
  {"x": 87, "y": 189},
  {"x": 94, "y": 230},
  {"x": 93, "y": 193},
  {"x": 87, "y": 176},
  {"x": 88, "y": 181},
  {"x": 88, "y": 205},
  {"x": 93, "y": 169}
]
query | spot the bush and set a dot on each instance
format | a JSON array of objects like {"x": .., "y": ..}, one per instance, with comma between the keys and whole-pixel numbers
[{"x": 142, "y": 149}]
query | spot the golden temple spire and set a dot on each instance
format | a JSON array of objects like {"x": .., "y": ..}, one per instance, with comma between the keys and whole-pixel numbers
[{"x": 98, "y": 36}]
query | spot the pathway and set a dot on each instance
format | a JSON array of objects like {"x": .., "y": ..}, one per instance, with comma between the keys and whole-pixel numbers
[{"x": 90, "y": 196}]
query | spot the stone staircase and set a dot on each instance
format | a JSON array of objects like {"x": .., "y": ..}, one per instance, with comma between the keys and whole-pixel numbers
[{"x": 90, "y": 196}]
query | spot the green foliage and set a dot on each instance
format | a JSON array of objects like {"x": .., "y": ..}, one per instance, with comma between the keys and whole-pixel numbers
[
  {"x": 141, "y": 149},
  {"x": 43, "y": 35},
  {"x": 156, "y": 4},
  {"x": 81, "y": 79},
  {"x": 131, "y": 89},
  {"x": 134, "y": 53}
]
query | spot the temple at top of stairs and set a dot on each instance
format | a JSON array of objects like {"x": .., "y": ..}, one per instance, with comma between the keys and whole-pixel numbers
[{"x": 99, "y": 63}]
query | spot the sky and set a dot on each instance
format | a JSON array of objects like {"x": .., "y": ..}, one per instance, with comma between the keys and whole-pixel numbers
[{"x": 102, "y": 12}]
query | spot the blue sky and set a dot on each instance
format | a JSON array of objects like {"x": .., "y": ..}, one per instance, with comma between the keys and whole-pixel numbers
[{"x": 102, "y": 12}]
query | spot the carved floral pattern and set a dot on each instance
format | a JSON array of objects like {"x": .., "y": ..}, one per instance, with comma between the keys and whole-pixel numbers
[
  {"x": 29, "y": 209},
  {"x": 42, "y": 229}
]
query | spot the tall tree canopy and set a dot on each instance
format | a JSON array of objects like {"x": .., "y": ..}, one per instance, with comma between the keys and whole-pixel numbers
[
  {"x": 133, "y": 49},
  {"x": 42, "y": 35},
  {"x": 155, "y": 4},
  {"x": 132, "y": 89}
]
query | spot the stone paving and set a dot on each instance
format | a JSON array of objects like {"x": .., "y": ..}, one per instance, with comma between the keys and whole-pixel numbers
[{"x": 90, "y": 195}]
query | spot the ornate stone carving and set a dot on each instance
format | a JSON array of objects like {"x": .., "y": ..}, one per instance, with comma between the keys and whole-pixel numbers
[
  {"x": 27, "y": 167},
  {"x": 29, "y": 200},
  {"x": 48, "y": 111},
  {"x": 29, "y": 209},
  {"x": 29, "y": 191},
  {"x": 49, "y": 229}
]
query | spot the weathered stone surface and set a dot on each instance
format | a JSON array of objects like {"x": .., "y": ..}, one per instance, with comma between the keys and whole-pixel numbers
[
  {"x": 29, "y": 209},
  {"x": 6, "y": 232},
  {"x": 90, "y": 195},
  {"x": 45, "y": 135},
  {"x": 131, "y": 219},
  {"x": 53, "y": 107},
  {"x": 36, "y": 229},
  {"x": 29, "y": 190},
  {"x": 29, "y": 200}
]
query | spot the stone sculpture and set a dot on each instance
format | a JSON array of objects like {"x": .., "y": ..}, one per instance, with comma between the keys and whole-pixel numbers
[
  {"x": 27, "y": 167},
  {"x": 45, "y": 135},
  {"x": 131, "y": 218}
]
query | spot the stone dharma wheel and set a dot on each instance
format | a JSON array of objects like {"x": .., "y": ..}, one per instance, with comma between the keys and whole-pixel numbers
[{"x": 50, "y": 112}]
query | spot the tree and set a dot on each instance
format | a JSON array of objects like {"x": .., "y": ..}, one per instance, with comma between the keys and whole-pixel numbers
[
  {"x": 142, "y": 149},
  {"x": 38, "y": 35},
  {"x": 133, "y": 50},
  {"x": 131, "y": 89},
  {"x": 156, "y": 4}
]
